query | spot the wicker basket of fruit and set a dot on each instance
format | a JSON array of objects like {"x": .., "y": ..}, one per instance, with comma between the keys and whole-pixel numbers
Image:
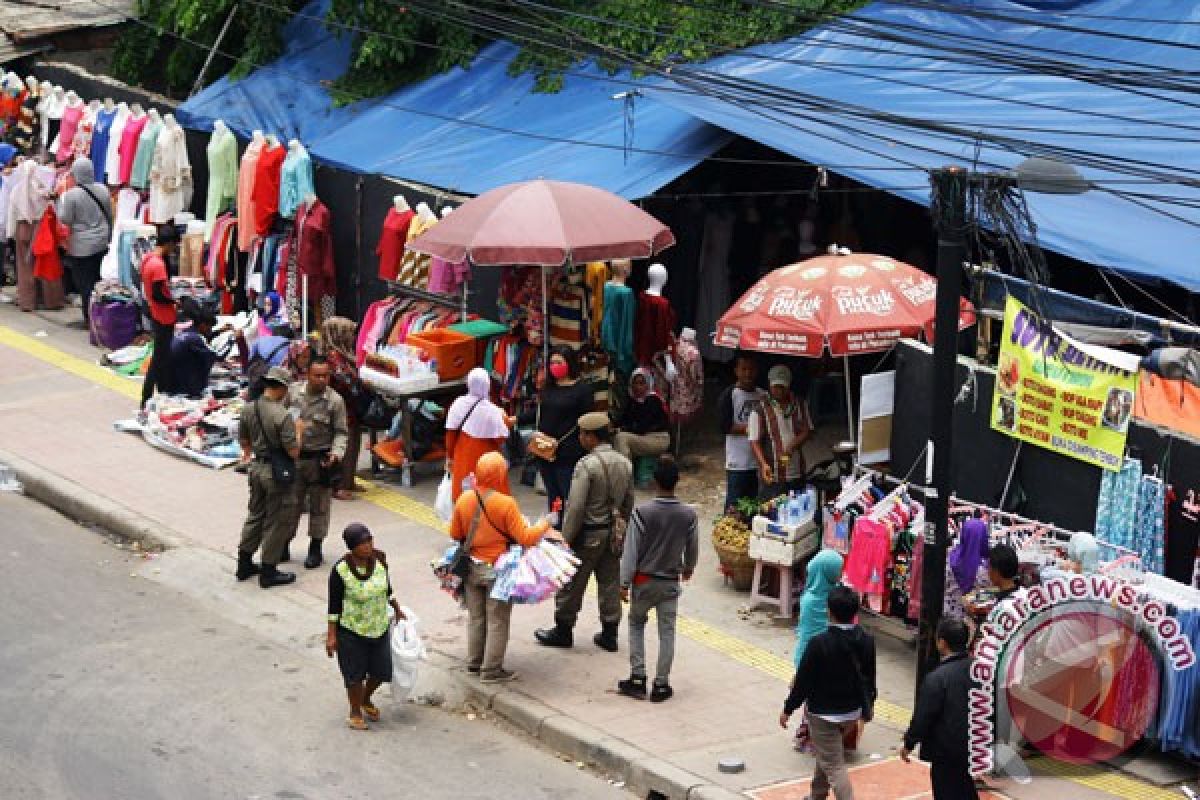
[{"x": 731, "y": 540}]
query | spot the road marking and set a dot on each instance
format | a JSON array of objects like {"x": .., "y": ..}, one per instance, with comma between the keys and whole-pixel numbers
[{"x": 1099, "y": 778}]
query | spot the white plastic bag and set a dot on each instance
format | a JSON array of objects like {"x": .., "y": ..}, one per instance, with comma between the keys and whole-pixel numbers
[
  {"x": 443, "y": 506},
  {"x": 407, "y": 652}
]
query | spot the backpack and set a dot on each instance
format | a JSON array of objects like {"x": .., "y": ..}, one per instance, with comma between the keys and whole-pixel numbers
[{"x": 256, "y": 372}]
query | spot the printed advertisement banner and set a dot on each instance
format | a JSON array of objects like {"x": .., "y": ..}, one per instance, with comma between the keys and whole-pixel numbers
[{"x": 1054, "y": 392}]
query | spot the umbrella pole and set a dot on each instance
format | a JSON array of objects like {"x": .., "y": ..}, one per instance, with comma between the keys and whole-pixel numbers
[
  {"x": 545, "y": 325},
  {"x": 849, "y": 399}
]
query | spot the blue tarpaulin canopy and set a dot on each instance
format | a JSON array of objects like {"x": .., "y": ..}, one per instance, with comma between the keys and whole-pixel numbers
[
  {"x": 466, "y": 130},
  {"x": 1038, "y": 74}
]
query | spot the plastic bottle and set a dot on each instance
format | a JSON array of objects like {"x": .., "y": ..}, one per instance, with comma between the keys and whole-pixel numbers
[{"x": 793, "y": 510}]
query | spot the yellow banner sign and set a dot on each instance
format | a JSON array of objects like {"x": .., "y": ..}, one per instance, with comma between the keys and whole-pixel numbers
[{"x": 1054, "y": 392}]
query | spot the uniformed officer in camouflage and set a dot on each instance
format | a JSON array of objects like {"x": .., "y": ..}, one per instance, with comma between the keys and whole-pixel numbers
[
  {"x": 267, "y": 425},
  {"x": 601, "y": 487},
  {"x": 320, "y": 414}
]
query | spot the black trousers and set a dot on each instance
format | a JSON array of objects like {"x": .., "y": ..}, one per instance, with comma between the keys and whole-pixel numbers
[
  {"x": 952, "y": 781},
  {"x": 85, "y": 273},
  {"x": 161, "y": 372}
]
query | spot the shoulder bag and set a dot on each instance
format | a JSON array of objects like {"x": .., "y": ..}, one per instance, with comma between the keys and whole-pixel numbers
[
  {"x": 283, "y": 468},
  {"x": 485, "y": 573},
  {"x": 544, "y": 446},
  {"x": 103, "y": 210},
  {"x": 256, "y": 370},
  {"x": 620, "y": 523},
  {"x": 455, "y": 573}
]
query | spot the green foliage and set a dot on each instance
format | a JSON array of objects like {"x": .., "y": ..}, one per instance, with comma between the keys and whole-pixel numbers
[{"x": 394, "y": 44}]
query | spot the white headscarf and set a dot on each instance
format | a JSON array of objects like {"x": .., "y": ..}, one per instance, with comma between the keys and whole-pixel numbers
[
  {"x": 474, "y": 413},
  {"x": 29, "y": 197}
]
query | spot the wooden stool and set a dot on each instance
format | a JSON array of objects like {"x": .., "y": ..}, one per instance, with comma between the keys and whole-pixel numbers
[{"x": 783, "y": 598}]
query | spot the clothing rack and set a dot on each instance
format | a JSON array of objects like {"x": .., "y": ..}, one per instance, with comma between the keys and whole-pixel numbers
[{"x": 394, "y": 287}]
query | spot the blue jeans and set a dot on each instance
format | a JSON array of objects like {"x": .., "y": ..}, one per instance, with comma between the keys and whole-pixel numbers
[{"x": 740, "y": 483}]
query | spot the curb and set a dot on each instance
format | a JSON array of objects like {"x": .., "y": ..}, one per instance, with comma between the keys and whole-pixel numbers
[
  {"x": 643, "y": 774},
  {"x": 89, "y": 508}
]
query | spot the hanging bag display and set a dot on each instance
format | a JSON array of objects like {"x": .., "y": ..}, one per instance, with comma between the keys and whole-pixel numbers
[{"x": 283, "y": 467}]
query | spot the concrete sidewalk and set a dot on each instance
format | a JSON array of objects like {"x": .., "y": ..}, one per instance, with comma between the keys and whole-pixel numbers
[{"x": 731, "y": 674}]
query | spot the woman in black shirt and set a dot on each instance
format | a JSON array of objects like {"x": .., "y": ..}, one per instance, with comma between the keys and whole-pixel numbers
[
  {"x": 564, "y": 400},
  {"x": 643, "y": 426}
]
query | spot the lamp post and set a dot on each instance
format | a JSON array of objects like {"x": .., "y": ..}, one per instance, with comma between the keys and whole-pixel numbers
[{"x": 949, "y": 207}]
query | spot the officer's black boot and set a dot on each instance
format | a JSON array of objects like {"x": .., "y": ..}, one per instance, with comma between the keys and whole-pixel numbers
[
  {"x": 558, "y": 636},
  {"x": 246, "y": 567},
  {"x": 606, "y": 639},
  {"x": 314, "y": 554},
  {"x": 273, "y": 577}
]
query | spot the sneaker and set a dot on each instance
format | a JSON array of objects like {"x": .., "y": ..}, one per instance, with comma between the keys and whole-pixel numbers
[
  {"x": 498, "y": 676},
  {"x": 661, "y": 692},
  {"x": 634, "y": 686}
]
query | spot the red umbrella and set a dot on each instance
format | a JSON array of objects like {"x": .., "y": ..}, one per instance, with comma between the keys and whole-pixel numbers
[
  {"x": 544, "y": 223},
  {"x": 850, "y": 304}
]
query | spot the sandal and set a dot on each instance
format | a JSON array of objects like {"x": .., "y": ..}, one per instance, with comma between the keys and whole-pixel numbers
[
  {"x": 371, "y": 711},
  {"x": 357, "y": 723}
]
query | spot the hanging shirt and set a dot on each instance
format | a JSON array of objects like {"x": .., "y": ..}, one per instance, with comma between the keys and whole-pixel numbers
[
  {"x": 314, "y": 248},
  {"x": 654, "y": 327},
  {"x": 245, "y": 193},
  {"x": 296, "y": 181},
  {"x": 266, "y": 187},
  {"x": 616, "y": 327},
  {"x": 71, "y": 116},
  {"x": 595, "y": 278},
  {"x": 101, "y": 134},
  {"x": 170, "y": 176},
  {"x": 112, "y": 160},
  {"x": 139, "y": 174},
  {"x": 414, "y": 267},
  {"x": 222, "y": 154},
  {"x": 391, "y": 242}
]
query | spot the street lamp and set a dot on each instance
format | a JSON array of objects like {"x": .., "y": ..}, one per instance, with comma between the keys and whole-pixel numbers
[{"x": 949, "y": 207}]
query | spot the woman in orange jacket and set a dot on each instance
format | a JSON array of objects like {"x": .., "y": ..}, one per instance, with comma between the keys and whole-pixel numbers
[{"x": 498, "y": 523}]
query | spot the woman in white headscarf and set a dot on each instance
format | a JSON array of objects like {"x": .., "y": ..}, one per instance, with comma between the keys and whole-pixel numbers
[
  {"x": 26, "y": 205},
  {"x": 644, "y": 425},
  {"x": 474, "y": 426}
]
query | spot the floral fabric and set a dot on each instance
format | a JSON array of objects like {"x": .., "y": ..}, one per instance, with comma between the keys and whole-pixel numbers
[{"x": 364, "y": 603}]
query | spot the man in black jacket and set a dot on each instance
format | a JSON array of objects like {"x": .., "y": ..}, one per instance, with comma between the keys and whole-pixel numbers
[
  {"x": 836, "y": 677},
  {"x": 940, "y": 721}
]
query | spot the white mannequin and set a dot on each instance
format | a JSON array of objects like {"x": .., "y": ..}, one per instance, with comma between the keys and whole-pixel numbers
[
  {"x": 656, "y": 278},
  {"x": 425, "y": 212},
  {"x": 258, "y": 136},
  {"x": 620, "y": 271},
  {"x": 400, "y": 204},
  {"x": 58, "y": 101},
  {"x": 14, "y": 83},
  {"x": 272, "y": 141},
  {"x": 169, "y": 121},
  {"x": 109, "y": 105},
  {"x": 155, "y": 117},
  {"x": 688, "y": 334},
  {"x": 309, "y": 199},
  {"x": 447, "y": 211},
  {"x": 294, "y": 145},
  {"x": 94, "y": 105},
  {"x": 137, "y": 110},
  {"x": 73, "y": 99},
  {"x": 183, "y": 218}
]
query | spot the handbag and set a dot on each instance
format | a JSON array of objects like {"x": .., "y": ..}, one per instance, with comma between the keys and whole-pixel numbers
[
  {"x": 454, "y": 574},
  {"x": 544, "y": 446},
  {"x": 620, "y": 523},
  {"x": 283, "y": 467}
]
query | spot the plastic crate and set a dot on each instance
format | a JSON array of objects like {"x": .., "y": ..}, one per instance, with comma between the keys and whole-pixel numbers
[{"x": 454, "y": 352}]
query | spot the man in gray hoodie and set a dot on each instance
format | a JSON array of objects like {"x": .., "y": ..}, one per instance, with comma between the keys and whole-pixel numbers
[{"x": 86, "y": 210}]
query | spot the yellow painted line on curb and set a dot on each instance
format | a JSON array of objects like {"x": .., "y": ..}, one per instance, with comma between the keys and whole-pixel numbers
[
  {"x": 89, "y": 371},
  {"x": 1098, "y": 778}
]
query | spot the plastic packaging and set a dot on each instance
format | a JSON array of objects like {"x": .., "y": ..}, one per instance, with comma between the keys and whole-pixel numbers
[
  {"x": 443, "y": 505},
  {"x": 407, "y": 652}
]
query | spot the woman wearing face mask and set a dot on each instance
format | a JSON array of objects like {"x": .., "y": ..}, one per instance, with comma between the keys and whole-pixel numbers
[{"x": 564, "y": 400}]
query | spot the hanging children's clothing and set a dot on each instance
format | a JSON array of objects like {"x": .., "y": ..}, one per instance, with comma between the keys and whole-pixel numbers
[{"x": 867, "y": 562}]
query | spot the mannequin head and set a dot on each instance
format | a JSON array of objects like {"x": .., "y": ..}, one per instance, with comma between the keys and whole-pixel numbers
[
  {"x": 32, "y": 83},
  {"x": 137, "y": 109},
  {"x": 219, "y": 126},
  {"x": 656, "y": 278},
  {"x": 272, "y": 140},
  {"x": 400, "y": 203},
  {"x": 258, "y": 136},
  {"x": 169, "y": 121},
  {"x": 447, "y": 211},
  {"x": 154, "y": 115},
  {"x": 109, "y": 105},
  {"x": 293, "y": 144},
  {"x": 620, "y": 270},
  {"x": 425, "y": 212}
]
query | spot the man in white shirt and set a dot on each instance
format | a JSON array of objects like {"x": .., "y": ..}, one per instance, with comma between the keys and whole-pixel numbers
[{"x": 733, "y": 410}]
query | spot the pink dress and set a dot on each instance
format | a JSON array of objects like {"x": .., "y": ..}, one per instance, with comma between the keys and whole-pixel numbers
[
  {"x": 245, "y": 193},
  {"x": 66, "y": 134},
  {"x": 870, "y": 551},
  {"x": 129, "y": 145}
]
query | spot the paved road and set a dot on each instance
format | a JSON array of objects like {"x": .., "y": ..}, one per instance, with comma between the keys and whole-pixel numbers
[{"x": 119, "y": 687}]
